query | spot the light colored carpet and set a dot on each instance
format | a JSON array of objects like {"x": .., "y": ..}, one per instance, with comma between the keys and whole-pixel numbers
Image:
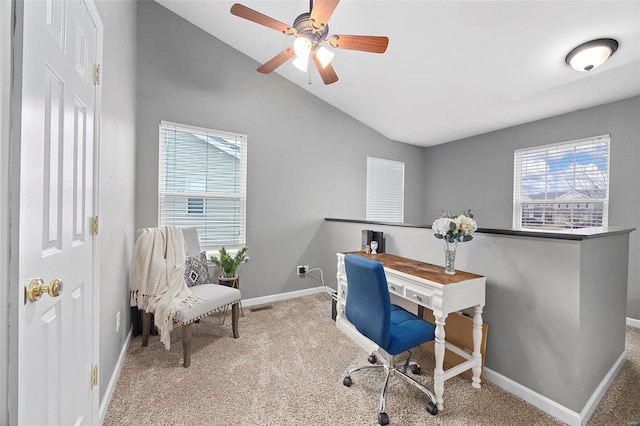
[{"x": 287, "y": 368}]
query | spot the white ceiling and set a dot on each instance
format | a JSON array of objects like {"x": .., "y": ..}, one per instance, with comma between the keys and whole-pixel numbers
[{"x": 453, "y": 69}]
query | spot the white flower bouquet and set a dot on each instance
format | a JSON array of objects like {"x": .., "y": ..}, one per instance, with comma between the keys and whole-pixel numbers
[{"x": 455, "y": 229}]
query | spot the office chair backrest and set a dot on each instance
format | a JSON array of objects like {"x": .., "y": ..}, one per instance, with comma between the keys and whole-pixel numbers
[{"x": 368, "y": 305}]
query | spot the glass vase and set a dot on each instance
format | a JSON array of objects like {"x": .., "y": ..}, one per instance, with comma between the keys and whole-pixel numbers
[{"x": 450, "y": 257}]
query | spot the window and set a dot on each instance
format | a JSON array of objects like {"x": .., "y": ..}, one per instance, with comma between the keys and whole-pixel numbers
[
  {"x": 385, "y": 190},
  {"x": 562, "y": 186},
  {"x": 202, "y": 183}
]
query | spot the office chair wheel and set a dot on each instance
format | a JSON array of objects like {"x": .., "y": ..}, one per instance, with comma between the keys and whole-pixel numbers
[
  {"x": 372, "y": 359},
  {"x": 347, "y": 381},
  {"x": 416, "y": 370},
  {"x": 383, "y": 418},
  {"x": 432, "y": 408}
]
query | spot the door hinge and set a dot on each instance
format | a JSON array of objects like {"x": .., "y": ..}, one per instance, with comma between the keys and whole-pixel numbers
[
  {"x": 97, "y": 77},
  {"x": 94, "y": 225},
  {"x": 94, "y": 375}
]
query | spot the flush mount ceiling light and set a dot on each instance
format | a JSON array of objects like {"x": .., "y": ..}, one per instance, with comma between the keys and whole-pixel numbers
[{"x": 591, "y": 54}]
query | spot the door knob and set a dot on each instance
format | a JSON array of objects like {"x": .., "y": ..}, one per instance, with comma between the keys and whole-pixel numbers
[{"x": 37, "y": 288}]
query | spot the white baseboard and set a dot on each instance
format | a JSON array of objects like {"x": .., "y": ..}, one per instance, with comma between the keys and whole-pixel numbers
[
  {"x": 545, "y": 404},
  {"x": 282, "y": 296},
  {"x": 114, "y": 377},
  {"x": 593, "y": 402},
  {"x": 551, "y": 407},
  {"x": 632, "y": 322}
]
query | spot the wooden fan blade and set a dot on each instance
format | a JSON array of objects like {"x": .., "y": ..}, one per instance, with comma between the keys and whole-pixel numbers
[
  {"x": 276, "y": 61},
  {"x": 257, "y": 17},
  {"x": 322, "y": 11},
  {"x": 327, "y": 73},
  {"x": 374, "y": 44}
]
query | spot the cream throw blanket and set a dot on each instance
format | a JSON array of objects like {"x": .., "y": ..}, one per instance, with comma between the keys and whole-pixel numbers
[{"x": 157, "y": 276}]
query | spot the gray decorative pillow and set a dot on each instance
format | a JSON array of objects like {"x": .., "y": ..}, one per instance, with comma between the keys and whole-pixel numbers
[{"x": 195, "y": 269}]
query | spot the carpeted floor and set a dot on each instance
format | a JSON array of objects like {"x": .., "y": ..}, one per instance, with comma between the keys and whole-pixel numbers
[{"x": 287, "y": 368}]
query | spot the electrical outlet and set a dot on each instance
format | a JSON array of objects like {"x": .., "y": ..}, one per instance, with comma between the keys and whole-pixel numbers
[
  {"x": 118, "y": 322},
  {"x": 302, "y": 269}
]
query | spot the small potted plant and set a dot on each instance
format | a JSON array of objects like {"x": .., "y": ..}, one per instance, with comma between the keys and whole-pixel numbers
[{"x": 229, "y": 265}]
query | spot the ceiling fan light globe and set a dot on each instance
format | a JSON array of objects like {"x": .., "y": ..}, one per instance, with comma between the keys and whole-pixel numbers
[
  {"x": 301, "y": 62},
  {"x": 302, "y": 46},
  {"x": 325, "y": 56}
]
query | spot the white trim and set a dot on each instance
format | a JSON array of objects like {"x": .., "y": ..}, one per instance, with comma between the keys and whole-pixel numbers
[
  {"x": 187, "y": 128},
  {"x": 15, "y": 141},
  {"x": 385, "y": 190},
  {"x": 95, "y": 240},
  {"x": 6, "y": 9},
  {"x": 597, "y": 395},
  {"x": 169, "y": 187},
  {"x": 282, "y": 296},
  {"x": 539, "y": 401},
  {"x": 632, "y": 322},
  {"x": 551, "y": 407},
  {"x": 108, "y": 394},
  {"x": 574, "y": 142}
]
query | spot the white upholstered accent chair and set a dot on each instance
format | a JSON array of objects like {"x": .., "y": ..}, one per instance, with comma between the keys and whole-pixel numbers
[{"x": 212, "y": 298}]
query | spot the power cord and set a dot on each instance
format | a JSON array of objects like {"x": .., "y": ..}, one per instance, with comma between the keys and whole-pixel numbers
[{"x": 327, "y": 291}]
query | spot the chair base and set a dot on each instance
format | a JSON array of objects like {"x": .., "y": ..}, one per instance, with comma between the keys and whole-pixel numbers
[{"x": 391, "y": 369}]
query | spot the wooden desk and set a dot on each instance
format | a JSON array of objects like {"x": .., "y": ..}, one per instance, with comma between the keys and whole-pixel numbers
[{"x": 426, "y": 285}]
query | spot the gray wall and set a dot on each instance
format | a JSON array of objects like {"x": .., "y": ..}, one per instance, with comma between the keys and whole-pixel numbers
[
  {"x": 479, "y": 172},
  {"x": 298, "y": 174},
  {"x": 601, "y": 326},
  {"x": 117, "y": 165}
]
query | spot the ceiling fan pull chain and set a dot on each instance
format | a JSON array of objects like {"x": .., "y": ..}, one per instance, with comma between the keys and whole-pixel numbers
[{"x": 309, "y": 73}]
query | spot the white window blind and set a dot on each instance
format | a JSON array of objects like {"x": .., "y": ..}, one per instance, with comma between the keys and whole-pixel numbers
[
  {"x": 203, "y": 183},
  {"x": 385, "y": 190},
  {"x": 562, "y": 186}
]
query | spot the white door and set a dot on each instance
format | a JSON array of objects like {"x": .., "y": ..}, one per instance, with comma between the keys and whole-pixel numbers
[{"x": 56, "y": 346}]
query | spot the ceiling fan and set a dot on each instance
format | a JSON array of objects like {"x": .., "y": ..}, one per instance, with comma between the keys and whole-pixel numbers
[{"x": 311, "y": 30}]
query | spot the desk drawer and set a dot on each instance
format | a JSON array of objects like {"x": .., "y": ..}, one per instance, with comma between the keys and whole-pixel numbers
[
  {"x": 396, "y": 288},
  {"x": 422, "y": 298},
  {"x": 342, "y": 291}
]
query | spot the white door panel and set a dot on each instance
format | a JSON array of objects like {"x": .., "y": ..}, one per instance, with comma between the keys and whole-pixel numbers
[{"x": 56, "y": 205}]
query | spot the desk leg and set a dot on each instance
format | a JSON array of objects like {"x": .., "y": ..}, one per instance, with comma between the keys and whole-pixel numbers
[
  {"x": 477, "y": 340},
  {"x": 438, "y": 376}
]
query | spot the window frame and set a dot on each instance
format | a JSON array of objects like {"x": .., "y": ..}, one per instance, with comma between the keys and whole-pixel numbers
[
  {"x": 556, "y": 203},
  {"x": 193, "y": 193},
  {"x": 377, "y": 204}
]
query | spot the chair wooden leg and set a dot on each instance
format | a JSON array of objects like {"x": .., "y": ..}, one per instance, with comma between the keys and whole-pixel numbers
[
  {"x": 146, "y": 327},
  {"x": 186, "y": 344},
  {"x": 234, "y": 319}
]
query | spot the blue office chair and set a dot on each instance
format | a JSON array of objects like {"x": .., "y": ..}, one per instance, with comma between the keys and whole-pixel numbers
[{"x": 392, "y": 328}]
